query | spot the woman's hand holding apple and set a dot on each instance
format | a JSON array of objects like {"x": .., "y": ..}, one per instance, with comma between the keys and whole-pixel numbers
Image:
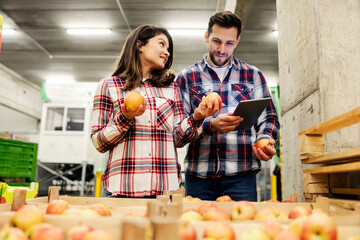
[
  {"x": 130, "y": 114},
  {"x": 264, "y": 149}
]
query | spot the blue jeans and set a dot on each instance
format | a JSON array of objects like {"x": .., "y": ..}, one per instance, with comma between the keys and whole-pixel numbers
[{"x": 241, "y": 187}]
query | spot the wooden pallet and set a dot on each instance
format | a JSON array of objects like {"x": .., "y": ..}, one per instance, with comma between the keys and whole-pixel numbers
[{"x": 332, "y": 178}]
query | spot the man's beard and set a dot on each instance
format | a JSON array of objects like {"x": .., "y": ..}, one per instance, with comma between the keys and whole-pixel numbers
[{"x": 212, "y": 57}]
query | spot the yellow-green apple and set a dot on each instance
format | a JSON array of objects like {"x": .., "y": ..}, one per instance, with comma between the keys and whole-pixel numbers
[
  {"x": 88, "y": 212},
  {"x": 78, "y": 232},
  {"x": 196, "y": 199},
  {"x": 57, "y": 207},
  {"x": 299, "y": 211},
  {"x": 224, "y": 198},
  {"x": 287, "y": 235},
  {"x": 191, "y": 215},
  {"x": 319, "y": 226},
  {"x": 98, "y": 234},
  {"x": 213, "y": 97},
  {"x": 71, "y": 212},
  {"x": 254, "y": 233},
  {"x": 27, "y": 216},
  {"x": 216, "y": 214},
  {"x": 187, "y": 231},
  {"x": 268, "y": 213},
  {"x": 12, "y": 233},
  {"x": 243, "y": 210},
  {"x": 101, "y": 209},
  {"x": 204, "y": 207},
  {"x": 271, "y": 228},
  {"x": 296, "y": 225},
  {"x": 219, "y": 230},
  {"x": 35, "y": 231},
  {"x": 262, "y": 143},
  {"x": 188, "y": 198},
  {"x": 133, "y": 100}
]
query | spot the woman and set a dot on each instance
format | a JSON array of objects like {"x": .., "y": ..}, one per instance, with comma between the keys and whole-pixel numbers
[{"x": 142, "y": 143}]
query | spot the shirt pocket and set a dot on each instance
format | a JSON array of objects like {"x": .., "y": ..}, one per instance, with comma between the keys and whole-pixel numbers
[
  {"x": 165, "y": 113},
  {"x": 197, "y": 92},
  {"x": 241, "y": 92}
]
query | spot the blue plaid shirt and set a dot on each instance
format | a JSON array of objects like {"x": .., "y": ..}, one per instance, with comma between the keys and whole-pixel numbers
[{"x": 213, "y": 154}]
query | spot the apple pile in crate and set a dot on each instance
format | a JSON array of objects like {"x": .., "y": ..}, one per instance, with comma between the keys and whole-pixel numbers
[
  {"x": 62, "y": 207},
  {"x": 305, "y": 223},
  {"x": 28, "y": 223}
]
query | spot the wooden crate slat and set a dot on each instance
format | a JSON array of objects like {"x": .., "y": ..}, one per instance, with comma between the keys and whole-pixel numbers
[
  {"x": 350, "y": 191},
  {"x": 311, "y": 144},
  {"x": 346, "y": 167},
  {"x": 341, "y": 121},
  {"x": 347, "y": 155}
]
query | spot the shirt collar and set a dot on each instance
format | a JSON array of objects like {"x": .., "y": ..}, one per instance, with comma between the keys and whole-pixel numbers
[{"x": 233, "y": 63}]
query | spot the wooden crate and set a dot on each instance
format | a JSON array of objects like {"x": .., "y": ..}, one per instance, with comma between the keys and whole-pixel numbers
[{"x": 332, "y": 178}]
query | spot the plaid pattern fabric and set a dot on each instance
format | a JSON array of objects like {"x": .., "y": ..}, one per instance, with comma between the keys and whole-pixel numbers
[
  {"x": 213, "y": 154},
  {"x": 142, "y": 158}
]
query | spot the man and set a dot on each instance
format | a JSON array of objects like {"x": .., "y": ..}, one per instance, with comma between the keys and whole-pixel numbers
[{"x": 224, "y": 161}]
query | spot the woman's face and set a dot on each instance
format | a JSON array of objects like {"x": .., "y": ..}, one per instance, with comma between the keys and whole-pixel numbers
[{"x": 154, "y": 54}]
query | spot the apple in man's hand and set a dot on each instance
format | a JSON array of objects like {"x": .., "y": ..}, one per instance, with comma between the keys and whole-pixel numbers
[
  {"x": 133, "y": 100},
  {"x": 213, "y": 96},
  {"x": 262, "y": 143}
]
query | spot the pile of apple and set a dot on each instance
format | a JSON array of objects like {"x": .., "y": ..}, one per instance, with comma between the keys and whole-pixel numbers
[
  {"x": 28, "y": 223},
  {"x": 305, "y": 223},
  {"x": 62, "y": 207}
]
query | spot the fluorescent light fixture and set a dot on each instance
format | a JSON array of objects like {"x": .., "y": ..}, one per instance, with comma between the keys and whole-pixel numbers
[
  {"x": 8, "y": 31},
  {"x": 275, "y": 33},
  {"x": 187, "y": 32},
  {"x": 88, "y": 31}
]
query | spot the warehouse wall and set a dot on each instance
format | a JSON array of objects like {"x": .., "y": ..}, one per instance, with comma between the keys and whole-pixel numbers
[{"x": 319, "y": 65}]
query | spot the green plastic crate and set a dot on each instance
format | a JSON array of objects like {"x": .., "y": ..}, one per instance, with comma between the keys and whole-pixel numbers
[{"x": 18, "y": 159}]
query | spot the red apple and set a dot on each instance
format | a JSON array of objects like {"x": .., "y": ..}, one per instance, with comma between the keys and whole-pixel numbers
[
  {"x": 78, "y": 232},
  {"x": 187, "y": 231},
  {"x": 287, "y": 235},
  {"x": 133, "y": 100},
  {"x": 299, "y": 211},
  {"x": 27, "y": 216},
  {"x": 262, "y": 143},
  {"x": 271, "y": 228},
  {"x": 288, "y": 201},
  {"x": 52, "y": 233},
  {"x": 12, "y": 233},
  {"x": 98, "y": 234},
  {"x": 224, "y": 198},
  {"x": 270, "y": 214},
  {"x": 204, "y": 207},
  {"x": 216, "y": 214},
  {"x": 296, "y": 225},
  {"x": 219, "y": 230},
  {"x": 319, "y": 226},
  {"x": 243, "y": 210},
  {"x": 191, "y": 215},
  {"x": 213, "y": 96},
  {"x": 101, "y": 209},
  {"x": 57, "y": 207},
  {"x": 35, "y": 231},
  {"x": 188, "y": 198},
  {"x": 254, "y": 233}
]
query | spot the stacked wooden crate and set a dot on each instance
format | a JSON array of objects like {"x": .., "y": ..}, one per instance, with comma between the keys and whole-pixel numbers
[{"x": 332, "y": 178}]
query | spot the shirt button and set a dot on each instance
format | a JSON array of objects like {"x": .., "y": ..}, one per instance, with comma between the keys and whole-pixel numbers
[
  {"x": 149, "y": 154},
  {"x": 149, "y": 121}
]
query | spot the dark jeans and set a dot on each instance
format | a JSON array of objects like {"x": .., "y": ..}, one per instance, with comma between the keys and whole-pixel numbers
[
  {"x": 241, "y": 187},
  {"x": 108, "y": 194}
]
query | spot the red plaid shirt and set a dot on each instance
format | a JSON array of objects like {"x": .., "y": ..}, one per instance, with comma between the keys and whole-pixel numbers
[{"x": 143, "y": 158}]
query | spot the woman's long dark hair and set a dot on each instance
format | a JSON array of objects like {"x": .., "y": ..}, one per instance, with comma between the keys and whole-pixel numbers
[{"x": 128, "y": 64}]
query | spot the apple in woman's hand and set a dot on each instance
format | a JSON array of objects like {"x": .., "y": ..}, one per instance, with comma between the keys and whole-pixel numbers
[{"x": 133, "y": 100}]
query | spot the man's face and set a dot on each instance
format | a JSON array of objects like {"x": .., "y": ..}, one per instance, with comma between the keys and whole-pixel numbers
[{"x": 222, "y": 43}]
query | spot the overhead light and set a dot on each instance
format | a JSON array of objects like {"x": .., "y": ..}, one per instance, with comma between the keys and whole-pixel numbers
[
  {"x": 276, "y": 33},
  {"x": 187, "y": 32},
  {"x": 8, "y": 31},
  {"x": 88, "y": 31}
]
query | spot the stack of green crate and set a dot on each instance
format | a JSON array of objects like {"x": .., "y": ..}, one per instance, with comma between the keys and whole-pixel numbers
[{"x": 18, "y": 161}]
